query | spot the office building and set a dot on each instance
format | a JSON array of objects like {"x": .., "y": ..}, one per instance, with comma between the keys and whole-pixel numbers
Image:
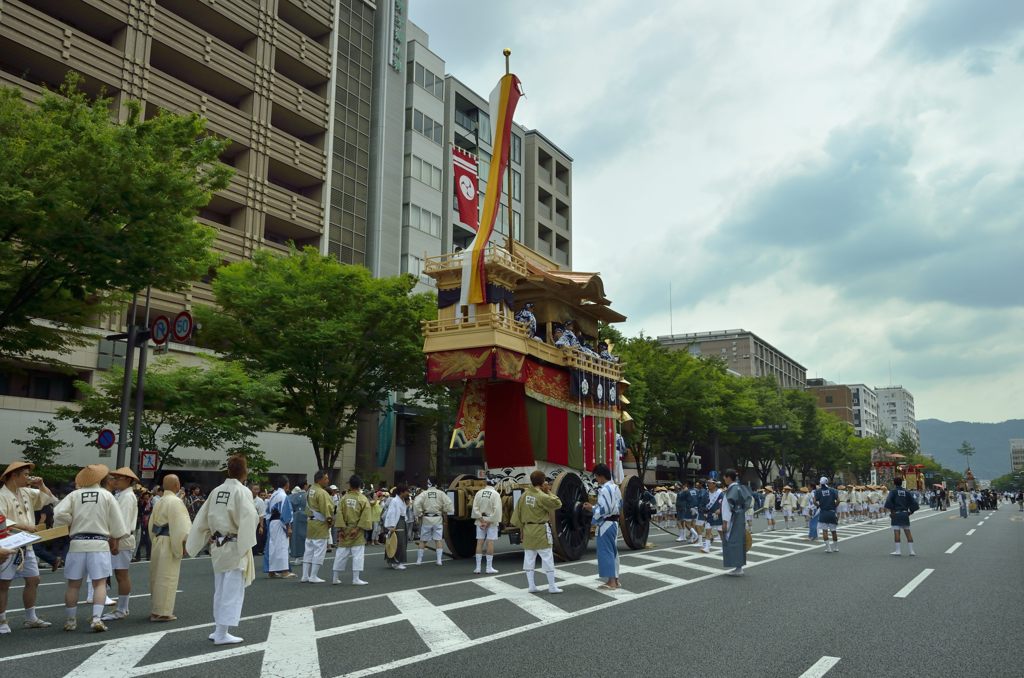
[
  {"x": 836, "y": 399},
  {"x": 896, "y": 413},
  {"x": 1016, "y": 454},
  {"x": 865, "y": 410},
  {"x": 743, "y": 352}
]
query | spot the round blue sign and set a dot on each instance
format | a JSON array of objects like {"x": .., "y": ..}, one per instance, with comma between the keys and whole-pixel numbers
[
  {"x": 105, "y": 439},
  {"x": 712, "y": 474},
  {"x": 161, "y": 329}
]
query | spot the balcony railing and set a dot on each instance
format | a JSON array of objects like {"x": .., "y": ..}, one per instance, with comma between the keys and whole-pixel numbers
[{"x": 493, "y": 255}]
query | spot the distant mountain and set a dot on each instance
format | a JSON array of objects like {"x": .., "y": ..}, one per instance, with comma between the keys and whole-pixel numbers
[{"x": 991, "y": 443}]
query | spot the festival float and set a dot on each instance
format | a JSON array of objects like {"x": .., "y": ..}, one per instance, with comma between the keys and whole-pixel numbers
[{"x": 530, "y": 401}]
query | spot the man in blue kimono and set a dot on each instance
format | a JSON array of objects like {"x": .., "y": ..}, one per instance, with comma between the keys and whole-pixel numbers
[
  {"x": 606, "y": 518},
  {"x": 527, "y": 317},
  {"x": 734, "y": 526}
]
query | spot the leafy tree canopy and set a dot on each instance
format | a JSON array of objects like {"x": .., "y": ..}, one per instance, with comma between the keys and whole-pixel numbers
[
  {"x": 93, "y": 210},
  {"x": 340, "y": 339},
  {"x": 208, "y": 408}
]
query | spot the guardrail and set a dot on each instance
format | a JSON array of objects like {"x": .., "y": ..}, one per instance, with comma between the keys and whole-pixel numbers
[{"x": 492, "y": 255}]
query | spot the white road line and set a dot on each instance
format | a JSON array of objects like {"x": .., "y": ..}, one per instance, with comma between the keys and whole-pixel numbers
[
  {"x": 970, "y": 532},
  {"x": 981, "y": 523},
  {"x": 914, "y": 583},
  {"x": 954, "y": 547},
  {"x": 820, "y": 667},
  {"x": 531, "y": 603},
  {"x": 123, "y": 652},
  {"x": 437, "y": 631},
  {"x": 84, "y": 602},
  {"x": 291, "y": 635}
]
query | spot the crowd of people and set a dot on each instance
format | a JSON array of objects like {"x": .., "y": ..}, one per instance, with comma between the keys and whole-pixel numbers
[{"x": 237, "y": 522}]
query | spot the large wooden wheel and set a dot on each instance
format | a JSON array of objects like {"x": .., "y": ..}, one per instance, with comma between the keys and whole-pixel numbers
[
  {"x": 635, "y": 518},
  {"x": 460, "y": 533},
  {"x": 570, "y": 526}
]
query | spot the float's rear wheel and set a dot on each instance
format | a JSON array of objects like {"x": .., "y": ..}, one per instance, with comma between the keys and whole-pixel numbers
[
  {"x": 460, "y": 533},
  {"x": 635, "y": 518},
  {"x": 570, "y": 527}
]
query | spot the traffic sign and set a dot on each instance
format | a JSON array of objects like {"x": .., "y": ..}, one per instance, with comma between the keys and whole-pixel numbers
[
  {"x": 183, "y": 326},
  {"x": 105, "y": 439},
  {"x": 160, "y": 329},
  {"x": 148, "y": 460}
]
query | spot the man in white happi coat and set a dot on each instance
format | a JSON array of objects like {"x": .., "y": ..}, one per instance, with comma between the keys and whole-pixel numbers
[
  {"x": 96, "y": 526},
  {"x": 227, "y": 523},
  {"x": 122, "y": 480},
  {"x": 21, "y": 495},
  {"x": 487, "y": 514},
  {"x": 431, "y": 506},
  {"x": 279, "y": 532}
]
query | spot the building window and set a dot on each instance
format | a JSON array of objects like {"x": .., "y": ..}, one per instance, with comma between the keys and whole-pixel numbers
[
  {"x": 828, "y": 399},
  {"x": 517, "y": 185},
  {"x": 421, "y": 170},
  {"x": 425, "y": 125},
  {"x": 517, "y": 149},
  {"x": 423, "y": 220},
  {"x": 434, "y": 84}
]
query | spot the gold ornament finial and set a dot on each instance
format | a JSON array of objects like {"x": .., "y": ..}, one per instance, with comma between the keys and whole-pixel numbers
[{"x": 506, "y": 51}]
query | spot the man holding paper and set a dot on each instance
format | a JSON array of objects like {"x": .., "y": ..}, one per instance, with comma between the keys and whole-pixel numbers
[{"x": 20, "y": 497}]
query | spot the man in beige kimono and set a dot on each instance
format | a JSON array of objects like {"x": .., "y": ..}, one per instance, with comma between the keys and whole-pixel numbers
[
  {"x": 21, "y": 495},
  {"x": 227, "y": 523},
  {"x": 169, "y": 526}
]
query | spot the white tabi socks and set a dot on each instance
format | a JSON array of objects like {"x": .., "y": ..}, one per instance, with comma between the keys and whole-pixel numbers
[
  {"x": 910, "y": 545},
  {"x": 490, "y": 565},
  {"x": 530, "y": 580},
  {"x": 314, "y": 574},
  {"x": 419, "y": 556},
  {"x": 440, "y": 554},
  {"x": 220, "y": 636},
  {"x": 479, "y": 557},
  {"x": 693, "y": 535},
  {"x": 305, "y": 571},
  {"x": 551, "y": 583},
  {"x": 356, "y": 581},
  {"x": 898, "y": 551}
]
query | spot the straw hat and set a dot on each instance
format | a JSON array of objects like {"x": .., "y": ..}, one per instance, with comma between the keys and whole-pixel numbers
[
  {"x": 787, "y": 488},
  {"x": 16, "y": 466},
  {"x": 391, "y": 545},
  {"x": 126, "y": 472},
  {"x": 93, "y": 474}
]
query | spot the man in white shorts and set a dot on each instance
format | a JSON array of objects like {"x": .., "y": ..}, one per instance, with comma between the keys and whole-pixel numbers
[
  {"x": 487, "y": 514},
  {"x": 788, "y": 505},
  {"x": 122, "y": 481},
  {"x": 873, "y": 499},
  {"x": 769, "y": 507},
  {"x": 20, "y": 497},
  {"x": 95, "y": 525},
  {"x": 431, "y": 506}
]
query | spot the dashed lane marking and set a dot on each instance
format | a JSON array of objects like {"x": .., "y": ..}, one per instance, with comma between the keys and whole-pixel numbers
[
  {"x": 970, "y": 532},
  {"x": 954, "y": 547},
  {"x": 913, "y": 584},
  {"x": 820, "y": 667}
]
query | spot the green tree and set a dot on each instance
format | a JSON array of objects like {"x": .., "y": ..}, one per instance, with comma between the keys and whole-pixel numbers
[
  {"x": 1009, "y": 481},
  {"x": 207, "y": 408},
  {"x": 43, "y": 448},
  {"x": 94, "y": 210},
  {"x": 256, "y": 461},
  {"x": 906, "y": 444},
  {"x": 340, "y": 339},
  {"x": 967, "y": 450}
]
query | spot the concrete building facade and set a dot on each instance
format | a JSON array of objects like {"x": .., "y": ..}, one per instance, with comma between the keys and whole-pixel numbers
[
  {"x": 741, "y": 351},
  {"x": 836, "y": 399},
  {"x": 896, "y": 412},
  {"x": 865, "y": 410},
  {"x": 1016, "y": 454}
]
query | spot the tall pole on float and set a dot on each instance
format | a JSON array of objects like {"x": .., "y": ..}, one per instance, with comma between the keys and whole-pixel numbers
[{"x": 508, "y": 169}]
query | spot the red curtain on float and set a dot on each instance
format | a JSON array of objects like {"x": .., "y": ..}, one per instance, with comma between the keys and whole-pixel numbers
[{"x": 508, "y": 433}]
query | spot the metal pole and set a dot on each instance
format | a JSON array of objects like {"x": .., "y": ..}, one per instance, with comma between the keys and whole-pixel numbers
[
  {"x": 126, "y": 388},
  {"x": 508, "y": 169},
  {"x": 139, "y": 388}
]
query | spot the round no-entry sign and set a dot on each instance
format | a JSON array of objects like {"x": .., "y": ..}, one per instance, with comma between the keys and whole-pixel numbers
[
  {"x": 160, "y": 329},
  {"x": 105, "y": 439},
  {"x": 183, "y": 326}
]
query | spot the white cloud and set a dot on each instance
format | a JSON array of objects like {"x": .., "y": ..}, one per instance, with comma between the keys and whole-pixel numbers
[{"x": 841, "y": 178}]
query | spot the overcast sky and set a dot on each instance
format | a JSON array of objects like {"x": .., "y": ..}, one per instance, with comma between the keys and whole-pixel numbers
[{"x": 845, "y": 179}]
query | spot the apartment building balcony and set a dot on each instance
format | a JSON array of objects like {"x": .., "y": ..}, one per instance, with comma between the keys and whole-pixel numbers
[
  {"x": 204, "y": 49},
  {"x": 176, "y": 96},
  {"x": 313, "y": 18},
  {"x": 301, "y": 155},
  {"x": 297, "y": 110},
  {"x": 302, "y": 52}
]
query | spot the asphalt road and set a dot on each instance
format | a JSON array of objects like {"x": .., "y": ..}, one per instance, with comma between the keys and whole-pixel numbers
[{"x": 796, "y": 608}]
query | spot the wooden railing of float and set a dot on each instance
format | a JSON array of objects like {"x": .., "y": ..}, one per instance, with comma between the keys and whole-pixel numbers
[{"x": 492, "y": 255}]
